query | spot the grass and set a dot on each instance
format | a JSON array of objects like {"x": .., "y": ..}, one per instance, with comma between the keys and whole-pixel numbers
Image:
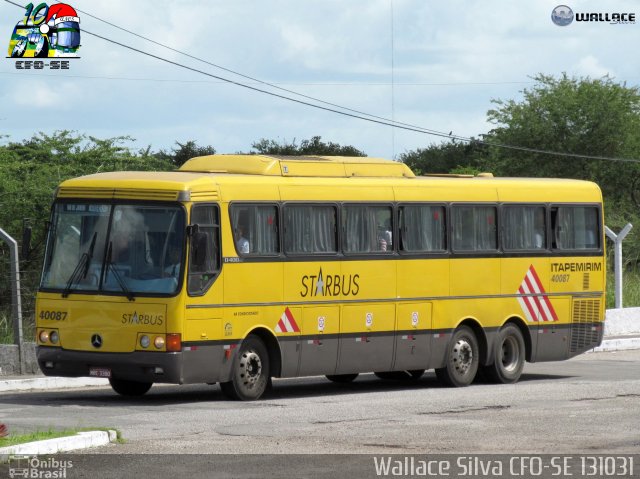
[
  {"x": 630, "y": 289},
  {"x": 14, "y": 439}
]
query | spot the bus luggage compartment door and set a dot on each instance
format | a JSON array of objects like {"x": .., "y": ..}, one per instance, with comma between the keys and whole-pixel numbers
[
  {"x": 413, "y": 337},
  {"x": 319, "y": 350},
  {"x": 366, "y": 338}
]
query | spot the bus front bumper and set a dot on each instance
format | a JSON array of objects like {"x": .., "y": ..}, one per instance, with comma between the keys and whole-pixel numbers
[{"x": 142, "y": 366}]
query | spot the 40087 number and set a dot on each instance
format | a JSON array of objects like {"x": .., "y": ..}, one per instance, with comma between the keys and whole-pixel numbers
[{"x": 53, "y": 315}]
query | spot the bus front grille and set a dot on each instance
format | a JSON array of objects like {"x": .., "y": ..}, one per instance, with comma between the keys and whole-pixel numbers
[{"x": 585, "y": 318}]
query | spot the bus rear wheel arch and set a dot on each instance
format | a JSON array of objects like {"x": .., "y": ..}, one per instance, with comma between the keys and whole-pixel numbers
[
  {"x": 462, "y": 358},
  {"x": 250, "y": 372},
  {"x": 509, "y": 353}
]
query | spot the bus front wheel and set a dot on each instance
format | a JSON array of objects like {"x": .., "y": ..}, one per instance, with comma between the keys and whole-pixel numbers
[
  {"x": 462, "y": 359},
  {"x": 508, "y": 356},
  {"x": 250, "y": 371},
  {"x": 129, "y": 388}
]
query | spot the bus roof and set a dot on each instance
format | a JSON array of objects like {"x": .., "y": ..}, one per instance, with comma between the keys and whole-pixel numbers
[
  {"x": 316, "y": 166},
  {"x": 259, "y": 177}
]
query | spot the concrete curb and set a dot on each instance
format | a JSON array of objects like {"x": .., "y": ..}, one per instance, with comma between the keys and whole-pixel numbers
[
  {"x": 82, "y": 440},
  {"x": 618, "y": 344},
  {"x": 49, "y": 383}
]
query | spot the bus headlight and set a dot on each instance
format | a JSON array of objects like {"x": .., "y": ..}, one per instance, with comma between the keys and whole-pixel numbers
[
  {"x": 44, "y": 337},
  {"x": 145, "y": 341},
  {"x": 159, "y": 342},
  {"x": 54, "y": 337}
]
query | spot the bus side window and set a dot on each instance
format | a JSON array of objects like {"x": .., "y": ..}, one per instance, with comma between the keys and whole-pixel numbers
[
  {"x": 524, "y": 228},
  {"x": 422, "y": 228},
  {"x": 474, "y": 228},
  {"x": 367, "y": 229},
  {"x": 576, "y": 227},
  {"x": 255, "y": 229},
  {"x": 204, "y": 255}
]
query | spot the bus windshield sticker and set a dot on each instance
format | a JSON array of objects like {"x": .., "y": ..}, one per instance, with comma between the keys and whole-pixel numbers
[{"x": 533, "y": 299}]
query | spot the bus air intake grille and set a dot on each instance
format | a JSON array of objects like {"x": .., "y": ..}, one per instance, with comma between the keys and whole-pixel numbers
[
  {"x": 144, "y": 194},
  {"x": 584, "y": 334},
  {"x": 130, "y": 193}
]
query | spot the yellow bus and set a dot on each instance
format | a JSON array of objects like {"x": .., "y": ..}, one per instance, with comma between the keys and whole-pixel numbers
[{"x": 239, "y": 268}]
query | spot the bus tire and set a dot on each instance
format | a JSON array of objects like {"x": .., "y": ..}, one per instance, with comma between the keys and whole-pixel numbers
[
  {"x": 250, "y": 375},
  {"x": 129, "y": 388},
  {"x": 508, "y": 356},
  {"x": 412, "y": 375},
  {"x": 341, "y": 378},
  {"x": 462, "y": 359}
]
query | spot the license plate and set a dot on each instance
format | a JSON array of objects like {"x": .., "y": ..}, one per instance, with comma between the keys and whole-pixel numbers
[{"x": 100, "y": 372}]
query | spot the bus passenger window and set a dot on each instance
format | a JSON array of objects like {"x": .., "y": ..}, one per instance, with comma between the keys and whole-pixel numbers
[
  {"x": 524, "y": 228},
  {"x": 204, "y": 257},
  {"x": 310, "y": 229},
  {"x": 422, "y": 228},
  {"x": 367, "y": 229},
  {"x": 255, "y": 229},
  {"x": 474, "y": 228},
  {"x": 576, "y": 227}
]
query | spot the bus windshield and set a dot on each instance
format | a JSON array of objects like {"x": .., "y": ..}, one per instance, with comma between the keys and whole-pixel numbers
[{"x": 121, "y": 249}]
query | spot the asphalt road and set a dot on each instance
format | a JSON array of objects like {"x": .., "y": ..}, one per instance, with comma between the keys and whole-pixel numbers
[{"x": 588, "y": 405}]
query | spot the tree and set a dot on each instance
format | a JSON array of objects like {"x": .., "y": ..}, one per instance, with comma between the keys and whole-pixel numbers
[
  {"x": 596, "y": 117},
  {"x": 313, "y": 146},
  {"x": 449, "y": 157},
  {"x": 185, "y": 151}
]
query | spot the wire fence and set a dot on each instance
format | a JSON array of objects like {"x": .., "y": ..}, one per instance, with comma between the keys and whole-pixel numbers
[{"x": 29, "y": 279}]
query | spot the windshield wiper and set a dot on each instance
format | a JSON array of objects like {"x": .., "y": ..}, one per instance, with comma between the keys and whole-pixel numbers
[
  {"x": 116, "y": 274},
  {"x": 82, "y": 267}
]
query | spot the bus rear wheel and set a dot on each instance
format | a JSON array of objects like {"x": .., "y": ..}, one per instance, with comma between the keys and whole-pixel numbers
[
  {"x": 508, "y": 356},
  {"x": 342, "y": 378},
  {"x": 129, "y": 388},
  {"x": 250, "y": 376},
  {"x": 462, "y": 359}
]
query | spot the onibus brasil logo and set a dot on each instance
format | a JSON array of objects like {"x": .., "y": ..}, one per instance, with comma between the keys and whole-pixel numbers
[{"x": 46, "y": 32}]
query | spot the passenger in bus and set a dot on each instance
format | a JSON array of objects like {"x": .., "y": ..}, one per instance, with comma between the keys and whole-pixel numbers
[
  {"x": 174, "y": 261},
  {"x": 385, "y": 237},
  {"x": 242, "y": 243},
  {"x": 133, "y": 251}
]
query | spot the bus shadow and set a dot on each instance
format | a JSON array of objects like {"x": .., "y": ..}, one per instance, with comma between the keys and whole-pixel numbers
[{"x": 291, "y": 388}]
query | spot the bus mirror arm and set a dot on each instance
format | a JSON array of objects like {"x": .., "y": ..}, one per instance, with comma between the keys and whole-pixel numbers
[{"x": 193, "y": 230}]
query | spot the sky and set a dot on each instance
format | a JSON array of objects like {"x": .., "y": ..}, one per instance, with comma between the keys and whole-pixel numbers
[{"x": 433, "y": 64}]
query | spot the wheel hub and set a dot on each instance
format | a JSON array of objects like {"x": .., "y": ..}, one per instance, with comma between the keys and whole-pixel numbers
[
  {"x": 510, "y": 354},
  {"x": 462, "y": 356},
  {"x": 250, "y": 368}
]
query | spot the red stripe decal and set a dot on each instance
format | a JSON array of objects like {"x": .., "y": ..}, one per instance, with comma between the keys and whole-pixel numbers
[
  {"x": 294, "y": 325},
  {"x": 536, "y": 298},
  {"x": 529, "y": 304}
]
